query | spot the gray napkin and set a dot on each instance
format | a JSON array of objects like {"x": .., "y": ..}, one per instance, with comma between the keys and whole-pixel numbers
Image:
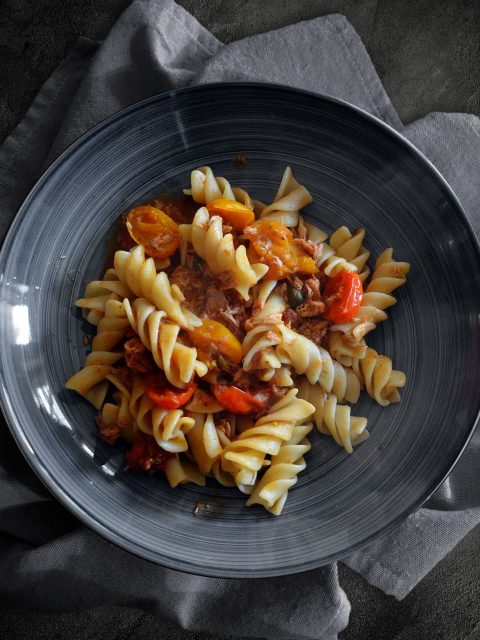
[{"x": 51, "y": 561}]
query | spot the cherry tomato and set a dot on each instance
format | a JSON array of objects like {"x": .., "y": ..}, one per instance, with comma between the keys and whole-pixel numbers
[
  {"x": 271, "y": 243},
  {"x": 211, "y": 332},
  {"x": 166, "y": 395},
  {"x": 238, "y": 401},
  {"x": 343, "y": 296},
  {"x": 153, "y": 229},
  {"x": 236, "y": 214}
]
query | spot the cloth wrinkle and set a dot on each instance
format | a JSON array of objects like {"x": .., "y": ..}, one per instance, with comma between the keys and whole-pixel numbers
[{"x": 354, "y": 62}]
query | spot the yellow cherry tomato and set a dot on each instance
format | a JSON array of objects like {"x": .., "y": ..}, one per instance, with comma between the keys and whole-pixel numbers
[
  {"x": 235, "y": 214},
  {"x": 272, "y": 243},
  {"x": 153, "y": 229},
  {"x": 214, "y": 336}
]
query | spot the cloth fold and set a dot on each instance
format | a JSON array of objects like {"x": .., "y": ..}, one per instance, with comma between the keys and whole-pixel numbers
[{"x": 51, "y": 561}]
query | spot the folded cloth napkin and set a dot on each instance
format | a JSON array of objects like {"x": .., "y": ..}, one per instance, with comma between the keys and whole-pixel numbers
[{"x": 51, "y": 561}]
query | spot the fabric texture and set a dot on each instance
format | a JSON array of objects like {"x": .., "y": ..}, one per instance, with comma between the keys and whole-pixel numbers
[{"x": 54, "y": 563}]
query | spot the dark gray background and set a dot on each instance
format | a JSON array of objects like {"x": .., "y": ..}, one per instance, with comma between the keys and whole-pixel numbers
[{"x": 427, "y": 53}]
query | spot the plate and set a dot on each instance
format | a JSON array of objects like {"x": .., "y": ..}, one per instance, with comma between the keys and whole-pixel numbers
[{"x": 360, "y": 173}]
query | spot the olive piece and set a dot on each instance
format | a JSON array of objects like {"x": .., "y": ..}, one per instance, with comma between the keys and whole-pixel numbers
[{"x": 294, "y": 296}]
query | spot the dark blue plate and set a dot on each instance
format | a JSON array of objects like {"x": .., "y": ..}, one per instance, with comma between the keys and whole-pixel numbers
[{"x": 361, "y": 173}]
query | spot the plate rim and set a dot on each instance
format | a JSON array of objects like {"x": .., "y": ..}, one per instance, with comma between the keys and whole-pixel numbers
[{"x": 81, "y": 511}]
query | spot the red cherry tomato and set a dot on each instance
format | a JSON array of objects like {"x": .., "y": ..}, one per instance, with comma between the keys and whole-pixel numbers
[
  {"x": 166, "y": 395},
  {"x": 238, "y": 401},
  {"x": 343, "y": 296}
]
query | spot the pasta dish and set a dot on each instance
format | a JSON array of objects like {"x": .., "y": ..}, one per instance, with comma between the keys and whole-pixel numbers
[{"x": 226, "y": 329}]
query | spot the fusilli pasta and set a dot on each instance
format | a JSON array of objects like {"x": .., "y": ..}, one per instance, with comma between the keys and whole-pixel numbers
[
  {"x": 381, "y": 380},
  {"x": 349, "y": 246},
  {"x": 161, "y": 338},
  {"x": 290, "y": 198},
  {"x": 167, "y": 427},
  {"x": 228, "y": 330},
  {"x": 335, "y": 419},
  {"x": 245, "y": 456},
  {"x": 140, "y": 275},
  {"x": 271, "y": 490},
  {"x": 220, "y": 254},
  {"x": 205, "y": 187}
]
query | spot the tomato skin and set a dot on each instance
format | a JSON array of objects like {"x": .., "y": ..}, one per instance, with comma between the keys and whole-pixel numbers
[
  {"x": 236, "y": 400},
  {"x": 213, "y": 332},
  {"x": 152, "y": 228},
  {"x": 234, "y": 213},
  {"x": 343, "y": 296},
  {"x": 272, "y": 243},
  {"x": 165, "y": 395}
]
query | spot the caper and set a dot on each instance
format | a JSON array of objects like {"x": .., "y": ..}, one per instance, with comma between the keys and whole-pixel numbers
[
  {"x": 225, "y": 365},
  {"x": 294, "y": 296}
]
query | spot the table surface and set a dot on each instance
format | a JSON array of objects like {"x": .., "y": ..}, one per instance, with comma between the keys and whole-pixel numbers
[{"x": 427, "y": 54}]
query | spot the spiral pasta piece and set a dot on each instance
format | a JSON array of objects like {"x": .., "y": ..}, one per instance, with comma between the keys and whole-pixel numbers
[
  {"x": 140, "y": 275},
  {"x": 204, "y": 442},
  {"x": 185, "y": 240},
  {"x": 161, "y": 338},
  {"x": 220, "y": 254},
  {"x": 350, "y": 247},
  {"x": 242, "y": 196},
  {"x": 290, "y": 198},
  {"x": 310, "y": 231},
  {"x": 342, "y": 381},
  {"x": 271, "y": 491},
  {"x": 344, "y": 350},
  {"x": 259, "y": 343},
  {"x": 389, "y": 274},
  {"x": 221, "y": 476},
  {"x": 133, "y": 394},
  {"x": 307, "y": 358},
  {"x": 335, "y": 419},
  {"x": 282, "y": 377},
  {"x": 297, "y": 351},
  {"x": 382, "y": 382},
  {"x": 98, "y": 292},
  {"x": 332, "y": 264},
  {"x": 300, "y": 352},
  {"x": 124, "y": 411},
  {"x": 168, "y": 427},
  {"x": 91, "y": 381},
  {"x": 205, "y": 187},
  {"x": 245, "y": 456},
  {"x": 112, "y": 327},
  {"x": 263, "y": 294},
  {"x": 259, "y": 352},
  {"x": 125, "y": 419},
  {"x": 117, "y": 414},
  {"x": 182, "y": 471},
  {"x": 344, "y": 252}
]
